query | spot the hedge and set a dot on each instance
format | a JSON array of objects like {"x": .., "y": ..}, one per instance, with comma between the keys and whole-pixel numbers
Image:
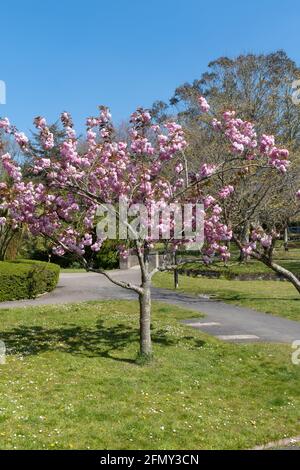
[{"x": 25, "y": 279}]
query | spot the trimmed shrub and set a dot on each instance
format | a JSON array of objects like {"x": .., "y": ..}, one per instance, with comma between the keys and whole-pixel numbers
[{"x": 25, "y": 279}]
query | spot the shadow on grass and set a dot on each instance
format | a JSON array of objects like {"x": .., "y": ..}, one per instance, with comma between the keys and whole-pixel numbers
[{"x": 99, "y": 341}]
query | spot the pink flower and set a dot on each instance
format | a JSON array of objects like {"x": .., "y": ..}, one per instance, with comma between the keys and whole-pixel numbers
[
  {"x": 226, "y": 192},
  {"x": 21, "y": 139},
  {"x": 237, "y": 147},
  {"x": 179, "y": 168},
  {"x": 227, "y": 115},
  {"x": 203, "y": 104},
  {"x": 66, "y": 120},
  {"x": 209, "y": 201},
  {"x": 5, "y": 124},
  {"x": 217, "y": 125},
  {"x": 141, "y": 116},
  {"x": 58, "y": 250},
  {"x": 96, "y": 246},
  {"x": 39, "y": 122},
  {"x": 267, "y": 142},
  {"x": 207, "y": 170},
  {"x": 266, "y": 241},
  {"x": 248, "y": 249}
]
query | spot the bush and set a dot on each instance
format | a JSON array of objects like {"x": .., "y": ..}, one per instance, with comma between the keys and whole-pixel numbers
[
  {"x": 25, "y": 279},
  {"x": 108, "y": 256}
]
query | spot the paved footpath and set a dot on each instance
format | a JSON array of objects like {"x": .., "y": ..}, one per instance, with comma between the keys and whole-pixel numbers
[{"x": 225, "y": 321}]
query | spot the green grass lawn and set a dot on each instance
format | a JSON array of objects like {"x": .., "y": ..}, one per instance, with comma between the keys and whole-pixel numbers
[
  {"x": 71, "y": 382},
  {"x": 251, "y": 267},
  {"x": 288, "y": 259},
  {"x": 276, "y": 297},
  {"x": 293, "y": 253}
]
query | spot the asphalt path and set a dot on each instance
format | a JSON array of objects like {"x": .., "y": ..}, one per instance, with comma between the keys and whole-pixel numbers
[{"x": 225, "y": 321}]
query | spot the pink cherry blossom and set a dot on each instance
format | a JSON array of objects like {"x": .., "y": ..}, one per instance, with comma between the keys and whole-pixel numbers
[
  {"x": 203, "y": 104},
  {"x": 226, "y": 191},
  {"x": 5, "y": 124},
  {"x": 207, "y": 170}
]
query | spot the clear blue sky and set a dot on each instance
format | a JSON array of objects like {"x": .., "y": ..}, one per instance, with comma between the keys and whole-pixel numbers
[{"x": 74, "y": 55}]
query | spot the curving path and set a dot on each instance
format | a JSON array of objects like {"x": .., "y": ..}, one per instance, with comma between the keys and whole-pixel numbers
[{"x": 225, "y": 321}]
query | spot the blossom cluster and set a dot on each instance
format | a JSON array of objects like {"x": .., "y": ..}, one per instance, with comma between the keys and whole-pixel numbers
[
  {"x": 259, "y": 238},
  {"x": 244, "y": 141}
]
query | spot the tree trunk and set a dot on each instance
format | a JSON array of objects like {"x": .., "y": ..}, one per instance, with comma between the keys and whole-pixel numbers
[
  {"x": 145, "y": 320},
  {"x": 244, "y": 240},
  {"x": 286, "y": 239},
  {"x": 176, "y": 280}
]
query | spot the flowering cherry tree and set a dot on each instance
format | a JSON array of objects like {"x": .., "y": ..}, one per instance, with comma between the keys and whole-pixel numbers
[
  {"x": 255, "y": 187},
  {"x": 61, "y": 194}
]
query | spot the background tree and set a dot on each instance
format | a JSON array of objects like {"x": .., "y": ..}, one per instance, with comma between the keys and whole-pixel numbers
[
  {"x": 259, "y": 89},
  {"x": 10, "y": 236}
]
